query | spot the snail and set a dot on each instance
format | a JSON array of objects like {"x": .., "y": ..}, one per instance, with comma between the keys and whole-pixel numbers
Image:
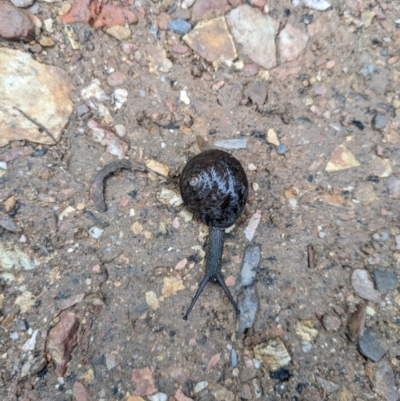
[{"x": 214, "y": 186}]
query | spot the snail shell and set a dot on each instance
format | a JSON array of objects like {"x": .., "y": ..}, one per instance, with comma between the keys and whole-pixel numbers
[{"x": 214, "y": 186}]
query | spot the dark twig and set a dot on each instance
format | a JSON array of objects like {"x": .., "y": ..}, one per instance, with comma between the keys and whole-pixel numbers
[
  {"x": 310, "y": 256},
  {"x": 42, "y": 127}
]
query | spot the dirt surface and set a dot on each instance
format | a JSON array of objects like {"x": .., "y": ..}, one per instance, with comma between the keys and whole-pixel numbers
[{"x": 317, "y": 227}]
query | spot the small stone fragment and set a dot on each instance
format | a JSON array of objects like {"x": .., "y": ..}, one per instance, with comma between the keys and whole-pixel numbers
[
  {"x": 62, "y": 340},
  {"x": 385, "y": 281},
  {"x": 179, "y": 26},
  {"x": 319, "y": 5},
  {"x": 8, "y": 224},
  {"x": 80, "y": 392},
  {"x": 184, "y": 98},
  {"x": 171, "y": 286},
  {"x": 331, "y": 323},
  {"x": 394, "y": 188},
  {"x": 119, "y": 32},
  {"x": 357, "y": 323},
  {"x": 370, "y": 347},
  {"x": 245, "y": 392},
  {"x": 157, "y": 167},
  {"x": 157, "y": 59},
  {"x": 341, "y": 159},
  {"x": 25, "y": 301},
  {"x": 292, "y": 43},
  {"x": 247, "y": 304},
  {"x": 327, "y": 385},
  {"x": 136, "y": 228},
  {"x": 365, "y": 193},
  {"x": 15, "y": 24},
  {"x": 381, "y": 168},
  {"x": 111, "y": 361},
  {"x": 384, "y": 383},
  {"x": 281, "y": 149},
  {"x": 306, "y": 330},
  {"x": 251, "y": 260},
  {"x": 30, "y": 344},
  {"x": 220, "y": 393},
  {"x": 144, "y": 381},
  {"x": 257, "y": 92},
  {"x": 22, "y": 3},
  {"x": 272, "y": 137},
  {"x": 200, "y": 386},
  {"x": 95, "y": 232},
  {"x": 117, "y": 78},
  {"x": 212, "y": 40},
  {"x": 158, "y": 397},
  {"x": 363, "y": 285},
  {"x": 169, "y": 197},
  {"x": 152, "y": 300},
  {"x": 256, "y": 33},
  {"x": 181, "y": 397},
  {"x": 207, "y": 8},
  {"x": 272, "y": 354},
  {"x": 252, "y": 225},
  {"x": 379, "y": 122},
  {"x": 181, "y": 265},
  {"x": 240, "y": 143},
  {"x": 213, "y": 361},
  {"x": 46, "y": 41}
]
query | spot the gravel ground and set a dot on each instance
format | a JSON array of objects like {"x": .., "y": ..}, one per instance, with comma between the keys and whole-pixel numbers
[{"x": 305, "y": 94}]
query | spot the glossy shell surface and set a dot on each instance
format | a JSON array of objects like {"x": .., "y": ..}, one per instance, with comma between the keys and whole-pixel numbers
[{"x": 214, "y": 186}]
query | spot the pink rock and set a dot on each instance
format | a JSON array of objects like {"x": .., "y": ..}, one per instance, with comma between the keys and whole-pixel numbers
[
  {"x": 179, "y": 48},
  {"x": 202, "y": 8},
  {"x": 162, "y": 21},
  {"x": 394, "y": 188},
  {"x": 230, "y": 281},
  {"x": 117, "y": 78},
  {"x": 181, "y": 265},
  {"x": 249, "y": 70},
  {"x": 181, "y": 397},
  {"x": 15, "y": 24},
  {"x": 62, "y": 340},
  {"x": 14, "y": 153},
  {"x": 80, "y": 392},
  {"x": 213, "y": 361},
  {"x": 292, "y": 43},
  {"x": 144, "y": 381}
]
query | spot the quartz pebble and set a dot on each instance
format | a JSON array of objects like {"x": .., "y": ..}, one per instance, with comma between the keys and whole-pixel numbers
[{"x": 239, "y": 143}]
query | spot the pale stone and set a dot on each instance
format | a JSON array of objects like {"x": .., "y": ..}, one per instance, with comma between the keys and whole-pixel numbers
[
  {"x": 119, "y": 32},
  {"x": 256, "y": 33},
  {"x": 152, "y": 300},
  {"x": 341, "y": 159},
  {"x": 212, "y": 40},
  {"x": 171, "y": 286},
  {"x": 157, "y": 167},
  {"x": 306, "y": 331},
  {"x": 272, "y": 137},
  {"x": 273, "y": 354},
  {"x": 292, "y": 43},
  {"x": 136, "y": 228},
  {"x": 25, "y": 301},
  {"x": 40, "y": 91},
  {"x": 157, "y": 59}
]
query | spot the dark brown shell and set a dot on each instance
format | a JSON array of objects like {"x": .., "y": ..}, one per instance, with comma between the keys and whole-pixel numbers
[{"x": 214, "y": 186}]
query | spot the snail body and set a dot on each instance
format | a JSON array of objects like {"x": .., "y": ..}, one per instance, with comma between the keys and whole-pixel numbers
[{"x": 214, "y": 186}]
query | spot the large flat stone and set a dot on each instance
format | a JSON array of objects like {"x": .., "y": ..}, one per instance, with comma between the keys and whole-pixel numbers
[
  {"x": 255, "y": 33},
  {"x": 40, "y": 91}
]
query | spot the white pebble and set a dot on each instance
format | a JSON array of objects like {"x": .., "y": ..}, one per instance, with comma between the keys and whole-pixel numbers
[
  {"x": 95, "y": 232},
  {"x": 184, "y": 98},
  {"x": 3, "y": 165}
]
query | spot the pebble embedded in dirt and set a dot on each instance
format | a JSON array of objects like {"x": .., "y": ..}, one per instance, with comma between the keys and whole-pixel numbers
[
  {"x": 331, "y": 323},
  {"x": 272, "y": 354},
  {"x": 370, "y": 346},
  {"x": 119, "y": 32},
  {"x": 379, "y": 122},
  {"x": 255, "y": 33},
  {"x": 251, "y": 260},
  {"x": 212, "y": 40},
  {"x": 81, "y": 392},
  {"x": 292, "y": 43},
  {"x": 364, "y": 286},
  {"x": 385, "y": 281},
  {"x": 143, "y": 379},
  {"x": 384, "y": 382},
  {"x": 16, "y": 24},
  {"x": 341, "y": 159}
]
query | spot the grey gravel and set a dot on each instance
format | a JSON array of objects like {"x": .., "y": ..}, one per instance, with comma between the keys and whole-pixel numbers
[
  {"x": 385, "y": 281},
  {"x": 234, "y": 358},
  {"x": 370, "y": 347},
  {"x": 251, "y": 261},
  {"x": 240, "y": 143},
  {"x": 179, "y": 26},
  {"x": 248, "y": 305},
  {"x": 281, "y": 149},
  {"x": 379, "y": 122}
]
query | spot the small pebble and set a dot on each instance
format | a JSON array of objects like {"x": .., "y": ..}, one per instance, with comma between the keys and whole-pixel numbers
[
  {"x": 234, "y": 358},
  {"x": 240, "y": 143},
  {"x": 385, "y": 281},
  {"x": 331, "y": 322},
  {"x": 370, "y": 347},
  {"x": 379, "y": 122},
  {"x": 282, "y": 149},
  {"x": 95, "y": 232},
  {"x": 179, "y": 26}
]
